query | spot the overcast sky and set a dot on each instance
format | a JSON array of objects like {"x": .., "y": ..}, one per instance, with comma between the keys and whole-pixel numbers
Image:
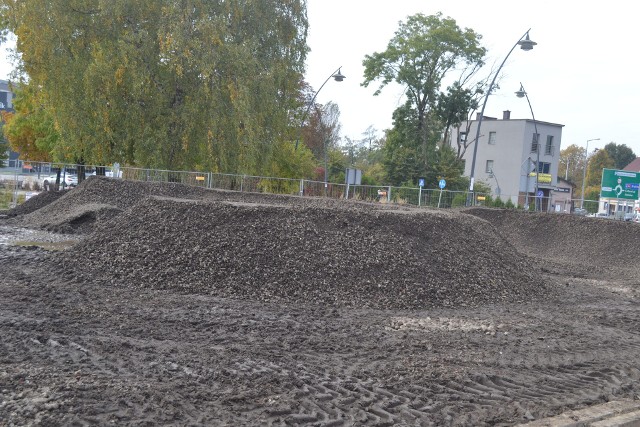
[{"x": 582, "y": 74}]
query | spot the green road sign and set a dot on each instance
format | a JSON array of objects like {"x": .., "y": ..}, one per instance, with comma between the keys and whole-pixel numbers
[{"x": 617, "y": 184}]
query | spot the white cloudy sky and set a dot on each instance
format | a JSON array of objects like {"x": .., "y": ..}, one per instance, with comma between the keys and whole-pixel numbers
[{"x": 583, "y": 73}]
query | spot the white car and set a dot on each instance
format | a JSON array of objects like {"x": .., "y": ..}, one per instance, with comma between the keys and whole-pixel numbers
[{"x": 67, "y": 180}]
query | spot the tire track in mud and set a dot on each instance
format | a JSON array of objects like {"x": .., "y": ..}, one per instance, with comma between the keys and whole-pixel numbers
[{"x": 349, "y": 400}]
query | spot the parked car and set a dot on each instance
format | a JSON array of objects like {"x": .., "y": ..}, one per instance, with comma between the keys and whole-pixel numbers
[
  {"x": 628, "y": 216},
  {"x": 67, "y": 180},
  {"x": 580, "y": 211}
]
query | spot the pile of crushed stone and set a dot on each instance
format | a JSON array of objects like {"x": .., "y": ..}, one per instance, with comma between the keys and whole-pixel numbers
[
  {"x": 286, "y": 249},
  {"x": 36, "y": 202},
  {"x": 594, "y": 243},
  {"x": 100, "y": 198}
]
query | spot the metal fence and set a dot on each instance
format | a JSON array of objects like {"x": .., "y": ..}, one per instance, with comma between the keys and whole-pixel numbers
[{"x": 24, "y": 179}]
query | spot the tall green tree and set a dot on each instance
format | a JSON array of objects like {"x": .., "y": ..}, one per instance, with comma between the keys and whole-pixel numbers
[
  {"x": 401, "y": 158},
  {"x": 598, "y": 161},
  {"x": 423, "y": 51},
  {"x": 620, "y": 153},
  {"x": 173, "y": 84},
  {"x": 572, "y": 163},
  {"x": 30, "y": 129}
]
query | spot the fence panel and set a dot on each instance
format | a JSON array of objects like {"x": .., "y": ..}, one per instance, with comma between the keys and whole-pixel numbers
[
  {"x": 25, "y": 178},
  {"x": 199, "y": 179}
]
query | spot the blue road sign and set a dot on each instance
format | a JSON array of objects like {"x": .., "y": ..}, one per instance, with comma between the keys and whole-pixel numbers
[
  {"x": 421, "y": 182},
  {"x": 442, "y": 183},
  {"x": 540, "y": 194}
]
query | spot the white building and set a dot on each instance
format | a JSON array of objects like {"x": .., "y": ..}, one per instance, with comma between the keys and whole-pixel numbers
[{"x": 507, "y": 156}]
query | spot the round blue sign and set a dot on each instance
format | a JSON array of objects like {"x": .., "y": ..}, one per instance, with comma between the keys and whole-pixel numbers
[
  {"x": 421, "y": 182},
  {"x": 540, "y": 194},
  {"x": 442, "y": 183}
]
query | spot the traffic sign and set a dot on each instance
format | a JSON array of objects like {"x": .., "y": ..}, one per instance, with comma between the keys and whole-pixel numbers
[
  {"x": 442, "y": 183},
  {"x": 421, "y": 182},
  {"x": 540, "y": 194}
]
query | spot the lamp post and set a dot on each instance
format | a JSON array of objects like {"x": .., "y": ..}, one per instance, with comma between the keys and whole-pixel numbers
[
  {"x": 536, "y": 138},
  {"x": 525, "y": 44},
  {"x": 528, "y": 171},
  {"x": 584, "y": 171},
  {"x": 337, "y": 76},
  {"x": 493, "y": 175}
]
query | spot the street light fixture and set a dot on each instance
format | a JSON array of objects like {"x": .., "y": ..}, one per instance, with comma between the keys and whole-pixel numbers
[
  {"x": 337, "y": 76},
  {"x": 584, "y": 171},
  {"x": 536, "y": 138},
  {"x": 525, "y": 44}
]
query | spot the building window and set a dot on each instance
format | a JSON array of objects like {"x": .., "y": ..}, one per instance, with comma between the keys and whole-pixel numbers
[
  {"x": 548, "y": 149},
  {"x": 489, "y": 168},
  {"x": 463, "y": 136},
  {"x": 534, "y": 142},
  {"x": 492, "y": 138},
  {"x": 544, "y": 167}
]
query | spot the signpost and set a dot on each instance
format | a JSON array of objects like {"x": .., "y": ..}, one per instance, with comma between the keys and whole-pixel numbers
[
  {"x": 441, "y": 184},
  {"x": 420, "y": 185}
]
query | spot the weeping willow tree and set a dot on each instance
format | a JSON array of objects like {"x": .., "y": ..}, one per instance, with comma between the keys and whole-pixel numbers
[{"x": 182, "y": 84}]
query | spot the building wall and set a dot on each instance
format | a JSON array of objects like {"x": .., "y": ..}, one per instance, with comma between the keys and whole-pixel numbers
[
  {"x": 6, "y": 96},
  {"x": 511, "y": 153}
]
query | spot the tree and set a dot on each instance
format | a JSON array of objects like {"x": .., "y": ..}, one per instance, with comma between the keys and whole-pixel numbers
[
  {"x": 4, "y": 147},
  {"x": 401, "y": 159},
  {"x": 598, "y": 161},
  {"x": 620, "y": 153},
  {"x": 571, "y": 164},
  {"x": 30, "y": 130},
  {"x": 423, "y": 51},
  {"x": 192, "y": 84},
  {"x": 369, "y": 136},
  {"x": 453, "y": 108},
  {"x": 449, "y": 167}
]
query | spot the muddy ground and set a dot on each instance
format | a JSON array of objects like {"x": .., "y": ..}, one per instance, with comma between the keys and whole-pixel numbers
[{"x": 156, "y": 304}]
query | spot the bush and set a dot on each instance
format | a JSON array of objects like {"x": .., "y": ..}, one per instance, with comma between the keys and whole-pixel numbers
[{"x": 459, "y": 200}]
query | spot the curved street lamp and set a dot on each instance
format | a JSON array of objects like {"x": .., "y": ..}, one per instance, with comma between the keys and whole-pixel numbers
[
  {"x": 536, "y": 138},
  {"x": 584, "y": 171},
  {"x": 525, "y": 44},
  {"x": 337, "y": 76}
]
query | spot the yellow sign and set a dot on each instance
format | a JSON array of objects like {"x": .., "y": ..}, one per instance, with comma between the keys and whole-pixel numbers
[
  {"x": 544, "y": 178},
  {"x": 199, "y": 178},
  {"x": 481, "y": 198}
]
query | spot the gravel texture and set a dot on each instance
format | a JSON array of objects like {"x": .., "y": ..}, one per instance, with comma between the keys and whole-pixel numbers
[
  {"x": 285, "y": 249},
  {"x": 160, "y": 304}
]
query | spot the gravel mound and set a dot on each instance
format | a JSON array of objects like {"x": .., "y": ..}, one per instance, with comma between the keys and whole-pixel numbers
[
  {"x": 346, "y": 256},
  {"x": 62, "y": 211},
  {"x": 34, "y": 203},
  {"x": 592, "y": 242}
]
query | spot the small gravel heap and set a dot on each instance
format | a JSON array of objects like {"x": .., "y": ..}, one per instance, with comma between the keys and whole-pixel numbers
[
  {"x": 34, "y": 203},
  {"x": 100, "y": 198},
  {"x": 570, "y": 239}
]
